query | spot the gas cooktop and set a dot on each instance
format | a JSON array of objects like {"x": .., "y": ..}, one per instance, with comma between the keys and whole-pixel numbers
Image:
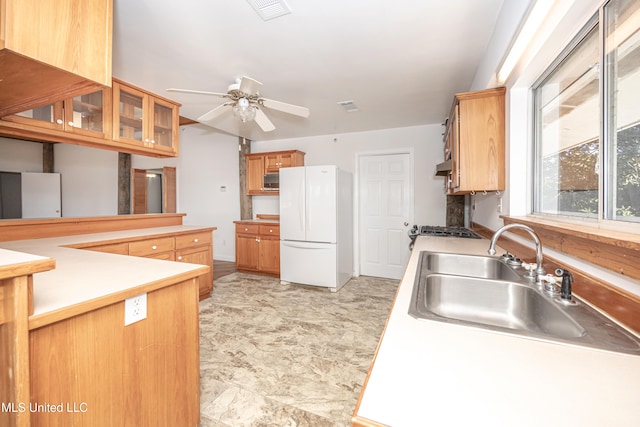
[
  {"x": 434, "y": 230},
  {"x": 439, "y": 231}
]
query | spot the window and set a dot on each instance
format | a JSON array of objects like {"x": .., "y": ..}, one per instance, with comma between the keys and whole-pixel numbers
[{"x": 587, "y": 121}]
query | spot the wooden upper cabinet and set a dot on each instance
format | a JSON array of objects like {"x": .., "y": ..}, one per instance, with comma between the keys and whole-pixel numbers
[
  {"x": 122, "y": 118},
  {"x": 52, "y": 50},
  {"x": 274, "y": 161},
  {"x": 475, "y": 142},
  {"x": 87, "y": 114},
  {"x": 144, "y": 119},
  {"x": 259, "y": 164},
  {"x": 255, "y": 173}
]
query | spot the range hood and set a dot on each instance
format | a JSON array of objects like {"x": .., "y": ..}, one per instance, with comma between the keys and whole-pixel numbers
[{"x": 443, "y": 169}]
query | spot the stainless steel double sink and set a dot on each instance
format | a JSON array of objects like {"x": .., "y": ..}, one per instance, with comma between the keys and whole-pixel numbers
[{"x": 489, "y": 293}]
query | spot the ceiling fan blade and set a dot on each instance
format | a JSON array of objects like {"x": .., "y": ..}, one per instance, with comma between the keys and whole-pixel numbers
[
  {"x": 216, "y": 112},
  {"x": 199, "y": 92},
  {"x": 285, "y": 108},
  {"x": 249, "y": 86},
  {"x": 263, "y": 121}
]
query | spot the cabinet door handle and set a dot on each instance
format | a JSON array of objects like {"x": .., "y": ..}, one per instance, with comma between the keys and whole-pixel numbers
[
  {"x": 179, "y": 258},
  {"x": 71, "y": 124},
  {"x": 154, "y": 247},
  {"x": 195, "y": 240},
  {"x": 246, "y": 229},
  {"x": 59, "y": 121}
]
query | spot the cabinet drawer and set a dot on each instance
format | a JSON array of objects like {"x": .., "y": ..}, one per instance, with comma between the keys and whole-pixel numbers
[
  {"x": 151, "y": 246},
  {"x": 247, "y": 228},
  {"x": 191, "y": 240},
  {"x": 270, "y": 230}
]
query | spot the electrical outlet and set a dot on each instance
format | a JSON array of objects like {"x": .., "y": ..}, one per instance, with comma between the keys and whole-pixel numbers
[{"x": 135, "y": 309}]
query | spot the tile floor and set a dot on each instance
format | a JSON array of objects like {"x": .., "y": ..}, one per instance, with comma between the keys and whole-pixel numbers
[{"x": 287, "y": 355}]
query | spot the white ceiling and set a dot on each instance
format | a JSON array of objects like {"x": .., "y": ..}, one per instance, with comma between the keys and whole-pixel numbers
[{"x": 400, "y": 61}]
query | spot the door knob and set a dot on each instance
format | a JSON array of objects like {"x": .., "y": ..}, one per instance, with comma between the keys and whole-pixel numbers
[{"x": 406, "y": 224}]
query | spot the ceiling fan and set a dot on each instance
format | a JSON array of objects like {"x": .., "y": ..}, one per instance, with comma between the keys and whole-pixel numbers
[{"x": 246, "y": 103}]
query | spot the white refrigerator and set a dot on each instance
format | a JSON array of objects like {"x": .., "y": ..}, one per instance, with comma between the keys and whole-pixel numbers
[{"x": 316, "y": 226}]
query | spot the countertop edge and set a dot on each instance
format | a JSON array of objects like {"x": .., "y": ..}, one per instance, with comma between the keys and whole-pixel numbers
[
  {"x": 67, "y": 276},
  {"x": 47, "y": 318},
  {"x": 258, "y": 221}
]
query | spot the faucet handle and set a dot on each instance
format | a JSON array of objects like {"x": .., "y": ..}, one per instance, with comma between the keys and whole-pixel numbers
[
  {"x": 530, "y": 268},
  {"x": 511, "y": 259},
  {"x": 550, "y": 283}
]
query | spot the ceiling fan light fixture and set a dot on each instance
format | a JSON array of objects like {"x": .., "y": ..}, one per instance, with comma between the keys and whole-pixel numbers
[
  {"x": 244, "y": 110},
  {"x": 270, "y": 9}
]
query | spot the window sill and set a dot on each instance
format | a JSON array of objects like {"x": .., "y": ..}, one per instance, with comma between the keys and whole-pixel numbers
[{"x": 614, "y": 250}]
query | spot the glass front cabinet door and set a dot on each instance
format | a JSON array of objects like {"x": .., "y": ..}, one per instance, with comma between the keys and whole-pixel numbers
[
  {"x": 145, "y": 120},
  {"x": 87, "y": 114}
]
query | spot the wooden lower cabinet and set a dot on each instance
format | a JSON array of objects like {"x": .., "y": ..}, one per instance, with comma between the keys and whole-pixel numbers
[
  {"x": 201, "y": 255},
  {"x": 194, "y": 247},
  {"x": 269, "y": 255},
  {"x": 247, "y": 251},
  {"x": 94, "y": 371},
  {"x": 152, "y": 247},
  {"x": 258, "y": 247}
]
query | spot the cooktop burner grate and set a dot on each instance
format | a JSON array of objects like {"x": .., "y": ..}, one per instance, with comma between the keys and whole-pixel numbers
[{"x": 434, "y": 230}]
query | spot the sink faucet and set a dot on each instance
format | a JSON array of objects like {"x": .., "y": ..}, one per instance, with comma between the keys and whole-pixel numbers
[{"x": 539, "y": 269}]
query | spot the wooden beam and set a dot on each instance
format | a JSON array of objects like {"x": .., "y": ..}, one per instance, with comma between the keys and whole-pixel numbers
[
  {"x": 124, "y": 184},
  {"x": 246, "y": 208},
  {"x": 48, "y": 163}
]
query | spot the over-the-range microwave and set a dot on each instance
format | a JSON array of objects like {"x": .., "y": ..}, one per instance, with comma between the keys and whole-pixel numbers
[{"x": 271, "y": 181}]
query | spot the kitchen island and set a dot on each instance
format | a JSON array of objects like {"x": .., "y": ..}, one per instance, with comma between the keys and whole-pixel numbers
[
  {"x": 434, "y": 373},
  {"x": 85, "y": 365}
]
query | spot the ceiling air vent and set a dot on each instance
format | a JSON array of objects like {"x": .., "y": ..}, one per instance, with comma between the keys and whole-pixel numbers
[
  {"x": 349, "y": 106},
  {"x": 269, "y": 9}
]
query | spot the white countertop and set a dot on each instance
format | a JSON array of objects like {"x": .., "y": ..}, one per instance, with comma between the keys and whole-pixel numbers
[
  {"x": 8, "y": 258},
  {"x": 83, "y": 275},
  {"x": 434, "y": 373}
]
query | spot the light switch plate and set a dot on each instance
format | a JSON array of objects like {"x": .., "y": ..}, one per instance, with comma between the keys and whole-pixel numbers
[{"x": 135, "y": 309}]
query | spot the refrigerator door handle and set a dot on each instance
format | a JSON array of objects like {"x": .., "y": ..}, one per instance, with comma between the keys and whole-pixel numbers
[
  {"x": 305, "y": 245},
  {"x": 301, "y": 206}
]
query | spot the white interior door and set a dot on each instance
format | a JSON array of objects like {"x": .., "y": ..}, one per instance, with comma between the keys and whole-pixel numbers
[
  {"x": 41, "y": 195},
  {"x": 386, "y": 212}
]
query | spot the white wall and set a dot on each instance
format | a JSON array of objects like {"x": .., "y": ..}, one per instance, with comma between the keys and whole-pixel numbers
[
  {"x": 89, "y": 180},
  {"x": 341, "y": 149},
  {"x": 209, "y": 187},
  {"x": 207, "y": 183},
  {"x": 20, "y": 156}
]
